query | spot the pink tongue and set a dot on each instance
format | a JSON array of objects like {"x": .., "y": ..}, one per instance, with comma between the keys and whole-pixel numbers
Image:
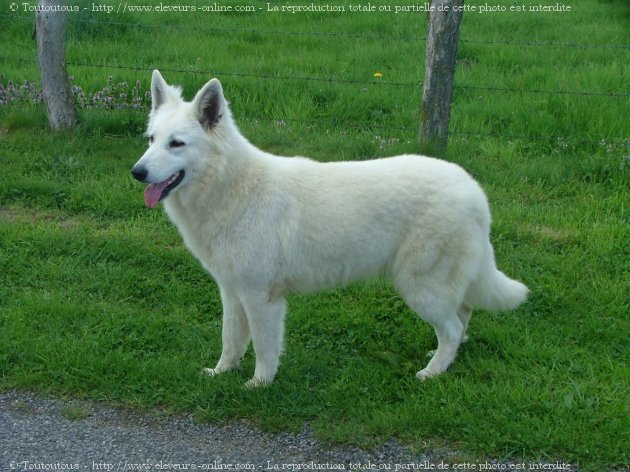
[{"x": 152, "y": 193}]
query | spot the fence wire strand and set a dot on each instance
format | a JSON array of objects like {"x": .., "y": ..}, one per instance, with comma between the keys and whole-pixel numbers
[
  {"x": 363, "y": 36},
  {"x": 325, "y": 79}
]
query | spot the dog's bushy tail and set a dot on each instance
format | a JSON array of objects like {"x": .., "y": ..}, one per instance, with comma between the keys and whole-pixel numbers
[{"x": 493, "y": 290}]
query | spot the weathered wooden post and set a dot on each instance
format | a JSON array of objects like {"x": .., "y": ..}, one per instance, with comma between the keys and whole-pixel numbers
[
  {"x": 50, "y": 29},
  {"x": 444, "y": 20}
]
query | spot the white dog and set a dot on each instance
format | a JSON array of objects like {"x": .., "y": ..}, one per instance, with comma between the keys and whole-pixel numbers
[{"x": 264, "y": 225}]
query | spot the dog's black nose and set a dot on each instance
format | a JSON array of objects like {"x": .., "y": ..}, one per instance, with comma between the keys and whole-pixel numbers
[{"x": 139, "y": 173}]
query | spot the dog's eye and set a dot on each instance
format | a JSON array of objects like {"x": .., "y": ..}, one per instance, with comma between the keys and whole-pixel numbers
[{"x": 175, "y": 143}]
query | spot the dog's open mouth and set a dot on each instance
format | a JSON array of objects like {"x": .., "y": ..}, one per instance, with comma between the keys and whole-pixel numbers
[{"x": 154, "y": 193}]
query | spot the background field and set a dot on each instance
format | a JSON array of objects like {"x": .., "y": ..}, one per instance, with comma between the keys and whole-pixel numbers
[{"x": 99, "y": 298}]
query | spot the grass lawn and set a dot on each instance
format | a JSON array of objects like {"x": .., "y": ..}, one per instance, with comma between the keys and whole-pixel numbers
[{"x": 99, "y": 298}]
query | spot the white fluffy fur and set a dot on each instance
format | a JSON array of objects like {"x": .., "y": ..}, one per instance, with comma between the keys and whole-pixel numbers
[{"x": 264, "y": 225}]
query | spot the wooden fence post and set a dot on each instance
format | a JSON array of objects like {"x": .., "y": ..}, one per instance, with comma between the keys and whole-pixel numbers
[
  {"x": 50, "y": 29},
  {"x": 444, "y": 20}
]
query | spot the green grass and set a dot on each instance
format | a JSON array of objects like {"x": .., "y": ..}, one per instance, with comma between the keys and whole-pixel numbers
[{"x": 99, "y": 298}]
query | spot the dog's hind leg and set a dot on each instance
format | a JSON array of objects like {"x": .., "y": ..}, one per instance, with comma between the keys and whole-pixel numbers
[
  {"x": 464, "y": 313},
  {"x": 449, "y": 330},
  {"x": 266, "y": 322},
  {"x": 235, "y": 335},
  {"x": 437, "y": 299}
]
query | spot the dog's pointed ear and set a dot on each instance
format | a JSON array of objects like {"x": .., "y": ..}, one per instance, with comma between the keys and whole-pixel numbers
[
  {"x": 161, "y": 92},
  {"x": 159, "y": 89},
  {"x": 210, "y": 104}
]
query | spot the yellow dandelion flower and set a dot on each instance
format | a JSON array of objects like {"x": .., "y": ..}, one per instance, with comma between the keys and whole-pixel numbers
[{"x": 378, "y": 75}]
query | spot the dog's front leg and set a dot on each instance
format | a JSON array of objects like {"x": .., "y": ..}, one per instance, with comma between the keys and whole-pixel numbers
[
  {"x": 265, "y": 317},
  {"x": 235, "y": 335}
]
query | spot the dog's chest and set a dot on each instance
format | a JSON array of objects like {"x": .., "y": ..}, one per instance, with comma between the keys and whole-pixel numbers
[
  {"x": 194, "y": 228},
  {"x": 209, "y": 235}
]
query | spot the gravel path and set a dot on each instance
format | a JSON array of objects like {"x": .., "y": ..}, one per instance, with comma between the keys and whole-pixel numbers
[{"x": 39, "y": 433}]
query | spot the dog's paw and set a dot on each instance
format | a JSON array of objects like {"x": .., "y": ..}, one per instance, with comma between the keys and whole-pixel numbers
[
  {"x": 424, "y": 374},
  {"x": 255, "y": 382},
  {"x": 210, "y": 372}
]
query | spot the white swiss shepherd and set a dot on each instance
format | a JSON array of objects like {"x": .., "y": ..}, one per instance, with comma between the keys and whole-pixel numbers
[{"x": 264, "y": 225}]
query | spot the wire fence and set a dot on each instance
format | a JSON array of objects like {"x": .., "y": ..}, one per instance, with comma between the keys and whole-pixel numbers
[
  {"x": 623, "y": 143},
  {"x": 319, "y": 79}
]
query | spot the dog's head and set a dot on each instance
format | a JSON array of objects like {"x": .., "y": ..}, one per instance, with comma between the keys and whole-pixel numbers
[{"x": 183, "y": 137}]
